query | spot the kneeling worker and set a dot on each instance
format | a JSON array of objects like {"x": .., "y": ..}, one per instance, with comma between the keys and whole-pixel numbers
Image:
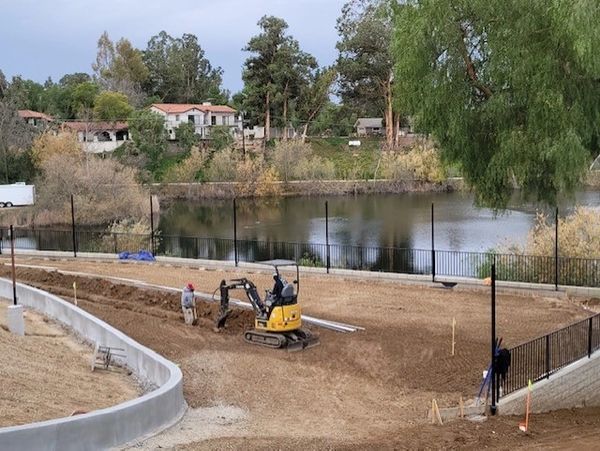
[{"x": 188, "y": 304}]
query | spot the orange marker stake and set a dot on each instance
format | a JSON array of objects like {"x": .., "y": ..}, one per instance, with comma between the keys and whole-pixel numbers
[{"x": 524, "y": 426}]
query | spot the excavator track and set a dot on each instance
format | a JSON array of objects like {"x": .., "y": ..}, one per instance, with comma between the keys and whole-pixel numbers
[
  {"x": 293, "y": 341},
  {"x": 268, "y": 339}
]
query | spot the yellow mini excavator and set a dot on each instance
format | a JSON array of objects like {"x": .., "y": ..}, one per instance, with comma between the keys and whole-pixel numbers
[{"x": 278, "y": 318}]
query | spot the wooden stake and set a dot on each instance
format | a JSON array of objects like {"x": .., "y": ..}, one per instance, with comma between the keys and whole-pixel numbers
[
  {"x": 75, "y": 292},
  {"x": 453, "y": 330},
  {"x": 435, "y": 413},
  {"x": 461, "y": 406}
]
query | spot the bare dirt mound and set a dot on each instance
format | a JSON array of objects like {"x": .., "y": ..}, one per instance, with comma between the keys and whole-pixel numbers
[
  {"x": 369, "y": 389},
  {"x": 162, "y": 304},
  {"x": 46, "y": 374}
]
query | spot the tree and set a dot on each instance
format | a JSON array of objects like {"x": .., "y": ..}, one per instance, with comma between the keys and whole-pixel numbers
[
  {"x": 3, "y": 85},
  {"x": 220, "y": 137},
  {"x": 111, "y": 106},
  {"x": 15, "y": 139},
  {"x": 293, "y": 75},
  {"x": 48, "y": 144},
  {"x": 179, "y": 72},
  {"x": 276, "y": 72},
  {"x": 334, "y": 120},
  {"x": 365, "y": 61},
  {"x": 148, "y": 133},
  {"x": 84, "y": 95},
  {"x": 186, "y": 136},
  {"x": 74, "y": 79},
  {"x": 25, "y": 94},
  {"x": 509, "y": 93},
  {"x": 104, "y": 190},
  {"x": 120, "y": 67},
  {"x": 315, "y": 97}
]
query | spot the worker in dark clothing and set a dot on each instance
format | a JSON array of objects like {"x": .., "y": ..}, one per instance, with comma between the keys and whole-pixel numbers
[
  {"x": 503, "y": 362},
  {"x": 502, "y": 366},
  {"x": 277, "y": 287}
]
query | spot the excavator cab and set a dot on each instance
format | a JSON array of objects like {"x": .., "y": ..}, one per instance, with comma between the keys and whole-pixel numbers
[
  {"x": 278, "y": 318},
  {"x": 284, "y": 313}
]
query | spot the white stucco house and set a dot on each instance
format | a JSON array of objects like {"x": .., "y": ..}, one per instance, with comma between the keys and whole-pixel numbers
[
  {"x": 203, "y": 116},
  {"x": 98, "y": 137},
  {"x": 36, "y": 118}
]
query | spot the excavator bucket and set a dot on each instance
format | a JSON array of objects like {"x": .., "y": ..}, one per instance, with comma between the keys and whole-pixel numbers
[{"x": 222, "y": 319}]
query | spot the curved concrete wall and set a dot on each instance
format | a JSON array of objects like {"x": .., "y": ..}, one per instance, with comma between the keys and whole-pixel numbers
[{"x": 108, "y": 427}]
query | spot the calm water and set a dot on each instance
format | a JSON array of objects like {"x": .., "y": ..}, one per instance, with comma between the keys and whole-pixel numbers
[{"x": 371, "y": 220}]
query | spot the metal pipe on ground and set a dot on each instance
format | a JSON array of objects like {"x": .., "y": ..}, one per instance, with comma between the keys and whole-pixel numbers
[{"x": 326, "y": 324}]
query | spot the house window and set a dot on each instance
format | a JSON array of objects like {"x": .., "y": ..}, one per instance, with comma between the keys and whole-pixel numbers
[
  {"x": 224, "y": 118},
  {"x": 177, "y": 117},
  {"x": 191, "y": 119},
  {"x": 213, "y": 120}
]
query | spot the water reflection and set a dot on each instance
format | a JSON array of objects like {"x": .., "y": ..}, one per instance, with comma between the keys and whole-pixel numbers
[{"x": 368, "y": 221}]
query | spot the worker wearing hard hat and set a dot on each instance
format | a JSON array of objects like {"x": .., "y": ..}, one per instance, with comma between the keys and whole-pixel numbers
[{"x": 188, "y": 305}]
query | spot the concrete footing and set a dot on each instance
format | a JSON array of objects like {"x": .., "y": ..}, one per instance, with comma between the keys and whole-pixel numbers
[{"x": 14, "y": 319}]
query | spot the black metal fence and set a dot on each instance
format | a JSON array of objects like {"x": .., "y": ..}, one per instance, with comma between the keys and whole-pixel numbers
[
  {"x": 543, "y": 356},
  {"x": 509, "y": 267}
]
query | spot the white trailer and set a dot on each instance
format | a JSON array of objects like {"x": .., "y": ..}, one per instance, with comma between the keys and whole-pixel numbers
[{"x": 17, "y": 195}]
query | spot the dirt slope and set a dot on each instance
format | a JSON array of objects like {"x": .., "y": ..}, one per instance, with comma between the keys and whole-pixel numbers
[{"x": 369, "y": 389}]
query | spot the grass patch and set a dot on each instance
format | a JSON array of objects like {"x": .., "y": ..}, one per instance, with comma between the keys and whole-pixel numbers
[{"x": 350, "y": 162}]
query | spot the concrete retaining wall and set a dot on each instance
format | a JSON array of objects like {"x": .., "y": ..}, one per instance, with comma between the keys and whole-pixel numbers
[
  {"x": 576, "y": 385},
  {"x": 108, "y": 427}
]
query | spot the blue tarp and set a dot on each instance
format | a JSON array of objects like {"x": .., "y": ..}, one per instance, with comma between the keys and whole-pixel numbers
[{"x": 143, "y": 256}]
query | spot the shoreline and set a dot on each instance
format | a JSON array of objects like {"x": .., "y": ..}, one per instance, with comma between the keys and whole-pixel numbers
[{"x": 229, "y": 190}]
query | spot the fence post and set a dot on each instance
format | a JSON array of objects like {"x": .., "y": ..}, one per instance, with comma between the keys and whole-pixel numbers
[
  {"x": 432, "y": 246},
  {"x": 327, "y": 235},
  {"x": 235, "y": 250},
  {"x": 73, "y": 227},
  {"x": 556, "y": 250},
  {"x": 548, "y": 356},
  {"x": 12, "y": 260},
  {"x": 493, "y": 365},
  {"x": 590, "y": 337},
  {"x": 152, "y": 227}
]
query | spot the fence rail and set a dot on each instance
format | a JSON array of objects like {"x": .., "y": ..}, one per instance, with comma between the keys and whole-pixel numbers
[
  {"x": 541, "y": 357},
  {"x": 509, "y": 267}
]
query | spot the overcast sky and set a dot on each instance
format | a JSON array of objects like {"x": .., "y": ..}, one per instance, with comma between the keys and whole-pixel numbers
[{"x": 41, "y": 38}]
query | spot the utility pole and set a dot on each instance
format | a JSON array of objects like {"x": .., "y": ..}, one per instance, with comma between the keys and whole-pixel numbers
[{"x": 243, "y": 135}]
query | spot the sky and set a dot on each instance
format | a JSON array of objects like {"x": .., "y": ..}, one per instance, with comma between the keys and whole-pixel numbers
[{"x": 42, "y": 38}]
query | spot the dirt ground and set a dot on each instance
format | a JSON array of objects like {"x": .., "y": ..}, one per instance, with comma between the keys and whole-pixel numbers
[
  {"x": 46, "y": 374},
  {"x": 369, "y": 389}
]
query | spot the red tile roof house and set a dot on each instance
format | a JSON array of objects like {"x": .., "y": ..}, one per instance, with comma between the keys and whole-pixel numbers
[
  {"x": 203, "y": 116},
  {"x": 35, "y": 118},
  {"x": 98, "y": 137}
]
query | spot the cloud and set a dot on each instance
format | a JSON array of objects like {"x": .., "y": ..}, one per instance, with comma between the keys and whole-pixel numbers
[{"x": 50, "y": 38}]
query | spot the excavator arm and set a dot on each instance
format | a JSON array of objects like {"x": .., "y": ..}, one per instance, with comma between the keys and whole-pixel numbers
[{"x": 260, "y": 309}]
